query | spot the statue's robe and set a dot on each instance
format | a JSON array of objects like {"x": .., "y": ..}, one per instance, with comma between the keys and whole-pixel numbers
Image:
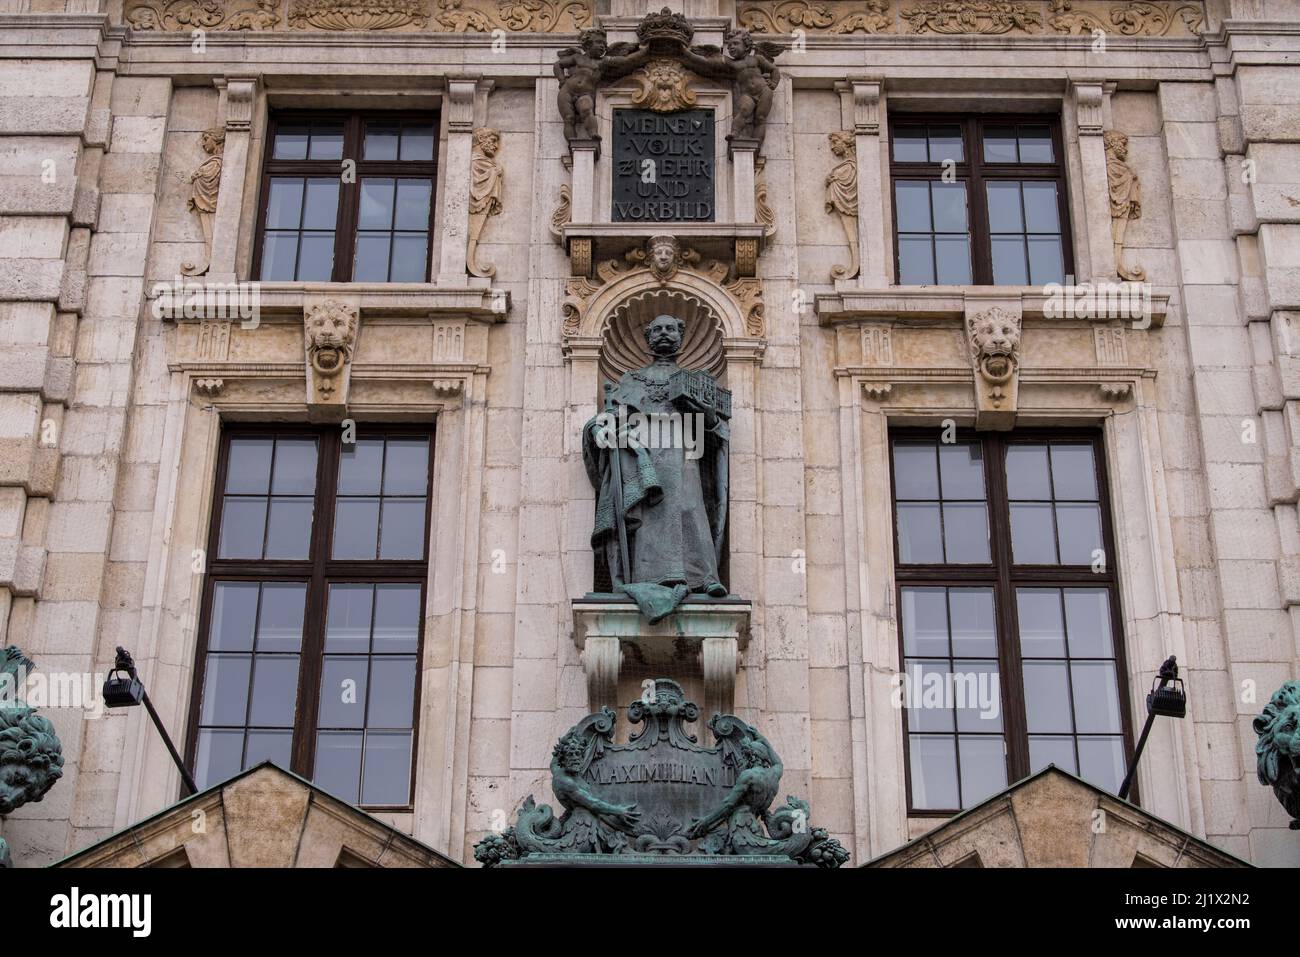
[{"x": 674, "y": 506}]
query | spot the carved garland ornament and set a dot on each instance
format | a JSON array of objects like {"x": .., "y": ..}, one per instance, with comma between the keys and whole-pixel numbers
[
  {"x": 868, "y": 16},
  {"x": 445, "y": 16}
]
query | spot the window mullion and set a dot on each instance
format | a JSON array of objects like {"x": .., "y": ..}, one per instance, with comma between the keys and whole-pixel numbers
[
  {"x": 313, "y": 638},
  {"x": 1014, "y": 720}
]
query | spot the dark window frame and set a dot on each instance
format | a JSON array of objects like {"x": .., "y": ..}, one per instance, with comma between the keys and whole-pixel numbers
[
  {"x": 349, "y": 204},
  {"x": 975, "y": 172},
  {"x": 1003, "y": 576},
  {"x": 319, "y": 571}
]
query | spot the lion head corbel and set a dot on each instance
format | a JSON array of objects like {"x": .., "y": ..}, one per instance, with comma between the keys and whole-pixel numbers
[
  {"x": 994, "y": 336},
  {"x": 330, "y": 333}
]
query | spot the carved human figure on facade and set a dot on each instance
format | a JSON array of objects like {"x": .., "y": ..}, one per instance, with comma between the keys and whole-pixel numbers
[
  {"x": 842, "y": 197},
  {"x": 582, "y": 70},
  {"x": 1277, "y": 752},
  {"x": 485, "y": 187},
  {"x": 31, "y": 757},
  {"x": 205, "y": 183},
  {"x": 750, "y": 69},
  {"x": 1125, "y": 199},
  {"x": 657, "y": 457}
]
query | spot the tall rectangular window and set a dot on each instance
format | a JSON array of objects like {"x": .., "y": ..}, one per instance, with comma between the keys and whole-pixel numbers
[
  {"x": 979, "y": 200},
  {"x": 312, "y": 619},
  {"x": 347, "y": 197},
  {"x": 1008, "y": 612}
]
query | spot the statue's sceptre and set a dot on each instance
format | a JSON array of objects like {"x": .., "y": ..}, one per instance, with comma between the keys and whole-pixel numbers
[{"x": 616, "y": 464}]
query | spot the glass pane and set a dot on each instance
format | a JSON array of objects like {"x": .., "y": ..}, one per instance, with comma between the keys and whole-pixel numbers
[
  {"x": 381, "y": 141},
  {"x": 338, "y": 764},
  {"x": 316, "y": 257},
  {"x": 1041, "y": 209},
  {"x": 912, "y": 205},
  {"x": 288, "y": 532},
  {"x": 1102, "y": 762},
  {"x": 1096, "y": 697},
  {"x": 249, "y": 470},
  {"x": 377, "y": 204},
  {"x": 284, "y": 203},
  {"x": 410, "y": 258},
  {"x": 925, "y": 622},
  {"x": 234, "y": 612},
  {"x": 279, "y": 256},
  {"x": 945, "y": 143},
  {"x": 1004, "y": 207},
  {"x": 327, "y": 141},
  {"x": 1047, "y": 697},
  {"x": 999, "y": 144},
  {"x": 397, "y": 618},
  {"x": 360, "y": 467},
  {"x": 290, "y": 143},
  {"x": 225, "y": 690},
  {"x": 973, "y": 628},
  {"x": 977, "y": 696},
  {"x": 356, "y": 527},
  {"x": 348, "y": 618},
  {"x": 933, "y": 762},
  {"x": 402, "y": 529},
  {"x": 417, "y": 143},
  {"x": 1009, "y": 268},
  {"x": 406, "y": 467},
  {"x": 949, "y": 205},
  {"x": 1035, "y": 144},
  {"x": 966, "y": 533},
  {"x": 321, "y": 208},
  {"x": 343, "y": 692},
  {"x": 388, "y": 768},
  {"x": 1079, "y": 527},
  {"x": 295, "y": 467},
  {"x": 918, "y": 534},
  {"x": 372, "y": 257},
  {"x": 280, "y": 622},
  {"x": 1027, "y": 472},
  {"x": 929, "y": 699},
  {"x": 962, "y": 468},
  {"x": 1045, "y": 262},
  {"x": 909, "y": 145},
  {"x": 392, "y": 692},
  {"x": 1031, "y": 535},
  {"x": 1051, "y": 749},
  {"x": 983, "y": 769},
  {"x": 413, "y": 204},
  {"x": 953, "y": 256},
  {"x": 243, "y": 521},
  {"x": 915, "y": 473},
  {"x": 1087, "y": 614},
  {"x": 1042, "y": 632},
  {"x": 273, "y": 746},
  {"x": 275, "y": 691},
  {"x": 219, "y": 756},
  {"x": 915, "y": 261},
  {"x": 1073, "y": 473}
]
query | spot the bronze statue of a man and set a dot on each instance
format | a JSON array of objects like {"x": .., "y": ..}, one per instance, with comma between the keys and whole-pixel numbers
[{"x": 657, "y": 456}]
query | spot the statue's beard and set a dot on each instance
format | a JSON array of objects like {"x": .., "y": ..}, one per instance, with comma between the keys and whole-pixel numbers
[{"x": 664, "y": 349}]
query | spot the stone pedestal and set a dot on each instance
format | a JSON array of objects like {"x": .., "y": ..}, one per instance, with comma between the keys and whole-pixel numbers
[{"x": 707, "y": 632}]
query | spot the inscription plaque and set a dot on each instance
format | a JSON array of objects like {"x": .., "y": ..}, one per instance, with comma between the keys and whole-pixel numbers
[{"x": 663, "y": 166}]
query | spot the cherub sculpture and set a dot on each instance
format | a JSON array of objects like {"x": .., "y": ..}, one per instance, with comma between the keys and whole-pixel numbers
[
  {"x": 751, "y": 70},
  {"x": 581, "y": 71}
]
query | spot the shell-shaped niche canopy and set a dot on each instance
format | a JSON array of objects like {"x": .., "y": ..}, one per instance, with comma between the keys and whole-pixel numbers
[{"x": 623, "y": 347}]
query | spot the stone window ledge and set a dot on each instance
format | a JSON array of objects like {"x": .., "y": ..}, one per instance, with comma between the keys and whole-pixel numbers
[
  {"x": 940, "y": 302},
  {"x": 386, "y": 300}
]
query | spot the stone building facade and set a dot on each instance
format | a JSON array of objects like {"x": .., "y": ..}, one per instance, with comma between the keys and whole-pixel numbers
[{"x": 862, "y": 322}]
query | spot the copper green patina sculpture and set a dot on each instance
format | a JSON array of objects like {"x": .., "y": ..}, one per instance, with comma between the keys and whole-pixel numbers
[
  {"x": 31, "y": 757},
  {"x": 662, "y": 798},
  {"x": 1277, "y": 751}
]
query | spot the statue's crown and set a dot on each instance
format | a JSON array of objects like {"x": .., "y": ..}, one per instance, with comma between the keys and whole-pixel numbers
[{"x": 664, "y": 25}]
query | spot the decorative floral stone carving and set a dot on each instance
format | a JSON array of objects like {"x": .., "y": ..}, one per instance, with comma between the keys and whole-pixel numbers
[
  {"x": 994, "y": 336},
  {"x": 1125, "y": 199},
  {"x": 330, "y": 334},
  {"x": 831, "y": 16},
  {"x": 1133, "y": 18},
  {"x": 486, "y": 180},
  {"x": 203, "y": 15},
  {"x": 205, "y": 182},
  {"x": 1277, "y": 750},
  {"x": 209, "y": 388},
  {"x": 448, "y": 16},
  {"x": 357, "y": 14},
  {"x": 842, "y": 197},
  {"x": 31, "y": 756},
  {"x": 663, "y": 86},
  {"x": 989, "y": 17},
  {"x": 763, "y": 210},
  {"x": 563, "y": 214}
]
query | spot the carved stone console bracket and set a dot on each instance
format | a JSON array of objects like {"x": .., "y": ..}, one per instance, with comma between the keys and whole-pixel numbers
[
  {"x": 993, "y": 332},
  {"x": 590, "y": 243},
  {"x": 706, "y": 634}
]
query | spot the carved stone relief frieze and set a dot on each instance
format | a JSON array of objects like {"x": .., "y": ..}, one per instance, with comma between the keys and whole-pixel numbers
[{"x": 435, "y": 16}]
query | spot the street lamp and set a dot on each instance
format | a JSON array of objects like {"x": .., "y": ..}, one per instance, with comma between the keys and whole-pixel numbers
[
  {"x": 124, "y": 689},
  {"x": 1167, "y": 697}
]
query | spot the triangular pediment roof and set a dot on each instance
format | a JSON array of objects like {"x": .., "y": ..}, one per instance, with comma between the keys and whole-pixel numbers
[
  {"x": 1055, "y": 819},
  {"x": 262, "y": 817}
]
